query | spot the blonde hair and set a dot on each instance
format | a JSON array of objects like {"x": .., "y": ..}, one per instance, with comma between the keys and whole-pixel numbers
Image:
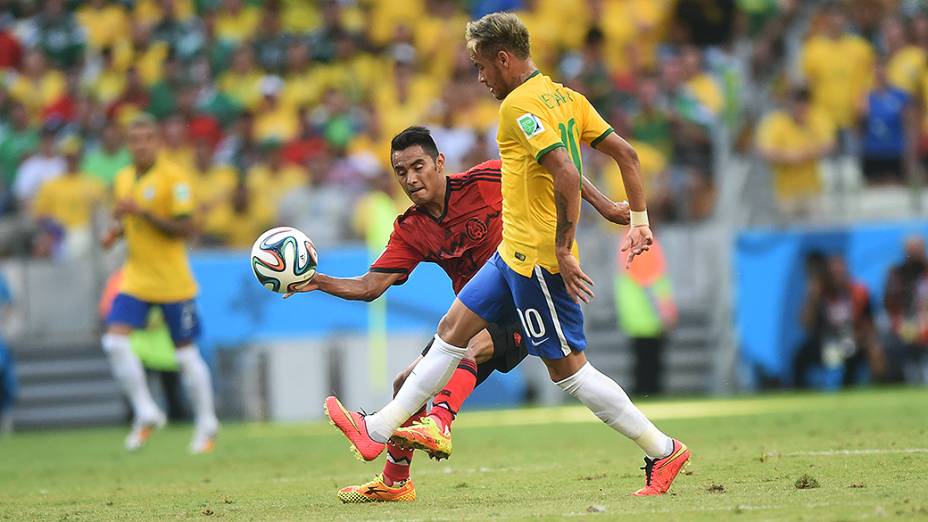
[{"x": 498, "y": 32}]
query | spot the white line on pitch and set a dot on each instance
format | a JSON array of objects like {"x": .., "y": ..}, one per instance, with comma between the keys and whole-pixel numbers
[{"x": 850, "y": 452}]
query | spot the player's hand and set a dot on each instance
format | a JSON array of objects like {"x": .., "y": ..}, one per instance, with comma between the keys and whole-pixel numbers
[
  {"x": 126, "y": 207},
  {"x": 637, "y": 240},
  {"x": 618, "y": 213},
  {"x": 578, "y": 284},
  {"x": 308, "y": 286}
]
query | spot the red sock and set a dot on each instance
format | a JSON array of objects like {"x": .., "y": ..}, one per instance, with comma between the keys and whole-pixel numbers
[
  {"x": 447, "y": 403},
  {"x": 396, "y": 467}
]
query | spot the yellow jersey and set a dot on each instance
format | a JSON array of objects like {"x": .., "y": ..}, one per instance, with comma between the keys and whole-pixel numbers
[
  {"x": 70, "y": 199},
  {"x": 839, "y": 73},
  {"x": 534, "y": 119},
  {"x": 156, "y": 269},
  {"x": 778, "y": 131}
]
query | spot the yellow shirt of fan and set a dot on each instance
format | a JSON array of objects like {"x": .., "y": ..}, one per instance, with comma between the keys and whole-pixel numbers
[
  {"x": 69, "y": 200},
  {"x": 906, "y": 68},
  {"x": 156, "y": 268},
  {"x": 839, "y": 73},
  {"x": 780, "y": 132},
  {"x": 534, "y": 119}
]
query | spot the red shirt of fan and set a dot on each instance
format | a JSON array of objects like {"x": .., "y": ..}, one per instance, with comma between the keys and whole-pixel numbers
[{"x": 459, "y": 241}]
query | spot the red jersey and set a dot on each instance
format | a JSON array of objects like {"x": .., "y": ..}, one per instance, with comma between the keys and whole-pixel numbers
[{"x": 461, "y": 240}]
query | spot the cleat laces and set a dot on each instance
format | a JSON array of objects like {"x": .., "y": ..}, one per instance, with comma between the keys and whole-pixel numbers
[{"x": 648, "y": 470}]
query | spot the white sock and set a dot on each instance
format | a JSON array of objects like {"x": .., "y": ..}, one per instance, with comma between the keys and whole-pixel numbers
[
  {"x": 131, "y": 376},
  {"x": 432, "y": 372},
  {"x": 199, "y": 386},
  {"x": 608, "y": 401}
]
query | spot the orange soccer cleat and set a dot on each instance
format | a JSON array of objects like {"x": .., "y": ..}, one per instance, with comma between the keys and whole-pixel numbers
[
  {"x": 377, "y": 491},
  {"x": 659, "y": 473},
  {"x": 352, "y": 425},
  {"x": 425, "y": 435}
]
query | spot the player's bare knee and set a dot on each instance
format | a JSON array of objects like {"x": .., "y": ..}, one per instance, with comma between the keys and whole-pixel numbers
[{"x": 560, "y": 369}]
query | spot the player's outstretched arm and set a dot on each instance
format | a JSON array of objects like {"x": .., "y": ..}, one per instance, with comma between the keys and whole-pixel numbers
[
  {"x": 615, "y": 212},
  {"x": 367, "y": 287},
  {"x": 639, "y": 237},
  {"x": 567, "y": 203}
]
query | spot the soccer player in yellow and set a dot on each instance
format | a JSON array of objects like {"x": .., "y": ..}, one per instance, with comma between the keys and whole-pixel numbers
[
  {"x": 535, "y": 275},
  {"x": 154, "y": 212}
]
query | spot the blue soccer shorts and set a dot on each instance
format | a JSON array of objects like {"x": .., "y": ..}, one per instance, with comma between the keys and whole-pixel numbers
[
  {"x": 181, "y": 317},
  {"x": 552, "y": 322}
]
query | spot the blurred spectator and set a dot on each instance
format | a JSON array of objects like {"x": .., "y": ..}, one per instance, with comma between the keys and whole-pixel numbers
[
  {"x": 237, "y": 21},
  {"x": 906, "y": 60},
  {"x": 271, "y": 42},
  {"x": 692, "y": 140},
  {"x": 185, "y": 35},
  {"x": 644, "y": 301},
  {"x": 242, "y": 82},
  {"x": 213, "y": 188},
  {"x": 317, "y": 207},
  {"x": 163, "y": 93},
  {"x": 245, "y": 217},
  {"x": 70, "y": 202},
  {"x": 650, "y": 121},
  {"x": 271, "y": 179},
  {"x": 38, "y": 85},
  {"x": 838, "y": 67},
  {"x": 45, "y": 164},
  {"x": 60, "y": 37},
  {"x": 175, "y": 144},
  {"x": 11, "y": 51},
  {"x": 109, "y": 157},
  {"x": 838, "y": 321},
  {"x": 19, "y": 140},
  {"x": 302, "y": 82},
  {"x": 133, "y": 99},
  {"x": 704, "y": 24},
  {"x": 906, "y": 302},
  {"x": 103, "y": 21},
  {"x": 8, "y": 392},
  {"x": 273, "y": 120},
  {"x": 306, "y": 145},
  {"x": 588, "y": 72},
  {"x": 152, "y": 12},
  {"x": 794, "y": 141},
  {"x": 888, "y": 122}
]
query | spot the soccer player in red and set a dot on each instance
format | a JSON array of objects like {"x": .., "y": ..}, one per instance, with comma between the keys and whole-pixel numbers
[{"x": 455, "y": 221}]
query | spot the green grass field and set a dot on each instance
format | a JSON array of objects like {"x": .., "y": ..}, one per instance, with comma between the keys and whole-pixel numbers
[{"x": 866, "y": 450}]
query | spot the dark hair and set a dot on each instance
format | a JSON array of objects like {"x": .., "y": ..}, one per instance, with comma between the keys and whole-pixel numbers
[
  {"x": 594, "y": 36},
  {"x": 415, "y": 136},
  {"x": 801, "y": 94}
]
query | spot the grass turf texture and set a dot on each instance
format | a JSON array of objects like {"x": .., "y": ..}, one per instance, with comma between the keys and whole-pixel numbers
[{"x": 850, "y": 456}]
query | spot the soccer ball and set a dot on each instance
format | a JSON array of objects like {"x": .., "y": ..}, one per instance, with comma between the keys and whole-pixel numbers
[{"x": 283, "y": 258}]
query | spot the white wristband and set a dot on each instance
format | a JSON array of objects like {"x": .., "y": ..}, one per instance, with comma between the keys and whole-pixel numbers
[{"x": 639, "y": 218}]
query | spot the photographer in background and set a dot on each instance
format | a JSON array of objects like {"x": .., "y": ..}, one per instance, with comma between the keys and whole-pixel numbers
[{"x": 838, "y": 320}]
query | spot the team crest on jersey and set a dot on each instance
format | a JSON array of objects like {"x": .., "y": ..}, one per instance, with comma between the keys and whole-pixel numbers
[
  {"x": 530, "y": 125},
  {"x": 149, "y": 193},
  {"x": 476, "y": 230},
  {"x": 182, "y": 192}
]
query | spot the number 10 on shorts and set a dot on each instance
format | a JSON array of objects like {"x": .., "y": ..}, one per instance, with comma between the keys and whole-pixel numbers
[{"x": 532, "y": 323}]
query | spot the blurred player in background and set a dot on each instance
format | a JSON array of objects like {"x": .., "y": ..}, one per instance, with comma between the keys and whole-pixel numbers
[
  {"x": 455, "y": 222},
  {"x": 154, "y": 208},
  {"x": 535, "y": 274}
]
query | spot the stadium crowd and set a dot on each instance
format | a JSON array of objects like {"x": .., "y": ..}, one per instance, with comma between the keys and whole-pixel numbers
[
  {"x": 283, "y": 110},
  {"x": 852, "y": 108}
]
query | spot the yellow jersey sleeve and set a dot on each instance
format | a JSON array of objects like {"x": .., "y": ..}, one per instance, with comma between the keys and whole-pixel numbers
[
  {"x": 528, "y": 122},
  {"x": 594, "y": 128}
]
